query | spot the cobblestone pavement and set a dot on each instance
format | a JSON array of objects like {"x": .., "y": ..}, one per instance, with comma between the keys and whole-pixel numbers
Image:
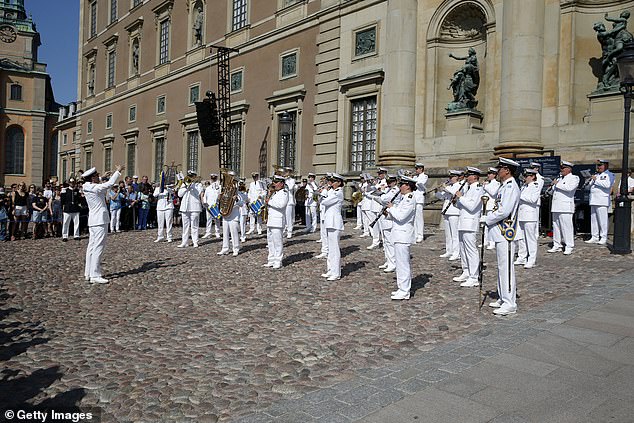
[{"x": 186, "y": 335}]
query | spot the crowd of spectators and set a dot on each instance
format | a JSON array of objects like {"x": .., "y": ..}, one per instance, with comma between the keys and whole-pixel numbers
[{"x": 59, "y": 209}]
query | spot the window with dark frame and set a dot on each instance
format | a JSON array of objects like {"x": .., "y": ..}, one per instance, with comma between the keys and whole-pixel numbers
[
  {"x": 107, "y": 158},
  {"x": 16, "y": 92},
  {"x": 113, "y": 11},
  {"x": 236, "y": 81},
  {"x": 239, "y": 14},
  {"x": 365, "y": 41},
  {"x": 194, "y": 94},
  {"x": 135, "y": 3},
  {"x": 112, "y": 59},
  {"x": 88, "y": 159},
  {"x": 109, "y": 121},
  {"x": 159, "y": 157},
  {"x": 132, "y": 114},
  {"x": 160, "y": 105},
  {"x": 64, "y": 169},
  {"x": 164, "y": 34},
  {"x": 192, "y": 151},
  {"x": 89, "y": 127},
  {"x": 235, "y": 146},
  {"x": 363, "y": 133},
  {"x": 289, "y": 65},
  {"x": 93, "y": 18},
  {"x": 131, "y": 157},
  {"x": 14, "y": 151},
  {"x": 286, "y": 143}
]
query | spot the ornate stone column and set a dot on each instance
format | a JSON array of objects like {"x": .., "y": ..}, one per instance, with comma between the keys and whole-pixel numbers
[
  {"x": 398, "y": 99},
  {"x": 522, "y": 76}
]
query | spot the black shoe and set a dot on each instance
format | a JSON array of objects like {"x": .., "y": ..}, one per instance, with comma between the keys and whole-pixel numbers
[
  {"x": 77, "y": 239},
  {"x": 64, "y": 239}
]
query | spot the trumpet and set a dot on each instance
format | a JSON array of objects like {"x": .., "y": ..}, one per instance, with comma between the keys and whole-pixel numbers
[{"x": 551, "y": 188}]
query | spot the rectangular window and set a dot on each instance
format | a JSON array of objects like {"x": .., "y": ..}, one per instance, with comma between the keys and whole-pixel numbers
[
  {"x": 93, "y": 18},
  {"x": 235, "y": 146},
  {"x": 73, "y": 166},
  {"x": 89, "y": 127},
  {"x": 236, "y": 81},
  {"x": 159, "y": 157},
  {"x": 109, "y": 121},
  {"x": 135, "y": 3},
  {"x": 132, "y": 114},
  {"x": 192, "y": 151},
  {"x": 287, "y": 139},
  {"x": 289, "y": 65},
  {"x": 131, "y": 157},
  {"x": 363, "y": 135},
  {"x": 64, "y": 139},
  {"x": 239, "y": 14},
  {"x": 365, "y": 42},
  {"x": 113, "y": 10},
  {"x": 194, "y": 94},
  {"x": 160, "y": 105},
  {"x": 88, "y": 164},
  {"x": 112, "y": 58},
  {"x": 107, "y": 159},
  {"x": 64, "y": 169},
  {"x": 16, "y": 92},
  {"x": 75, "y": 137},
  {"x": 164, "y": 35}
]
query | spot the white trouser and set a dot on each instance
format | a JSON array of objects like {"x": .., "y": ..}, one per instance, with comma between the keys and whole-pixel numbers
[
  {"x": 388, "y": 247},
  {"x": 243, "y": 226},
  {"x": 290, "y": 218},
  {"x": 469, "y": 257},
  {"x": 275, "y": 245},
  {"x": 599, "y": 221},
  {"x": 359, "y": 216},
  {"x": 323, "y": 235},
  {"x": 115, "y": 218},
  {"x": 190, "y": 224},
  {"x": 365, "y": 221},
  {"x": 527, "y": 247},
  {"x": 66, "y": 224},
  {"x": 451, "y": 234},
  {"x": 334, "y": 253},
  {"x": 563, "y": 231},
  {"x": 230, "y": 227},
  {"x": 165, "y": 219},
  {"x": 403, "y": 271},
  {"x": 211, "y": 221},
  {"x": 311, "y": 218},
  {"x": 374, "y": 231},
  {"x": 487, "y": 236},
  {"x": 505, "y": 267},
  {"x": 253, "y": 221},
  {"x": 96, "y": 244},
  {"x": 419, "y": 221}
]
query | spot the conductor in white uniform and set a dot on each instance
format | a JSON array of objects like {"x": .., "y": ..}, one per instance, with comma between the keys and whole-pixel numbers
[
  {"x": 333, "y": 222},
  {"x": 600, "y": 201},
  {"x": 98, "y": 219},
  {"x": 276, "y": 222},
  {"x": 562, "y": 209},
  {"x": 507, "y": 201}
]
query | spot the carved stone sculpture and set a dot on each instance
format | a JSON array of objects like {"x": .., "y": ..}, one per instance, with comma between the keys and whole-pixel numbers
[
  {"x": 612, "y": 43},
  {"x": 135, "y": 57},
  {"x": 198, "y": 26},
  {"x": 464, "y": 83}
]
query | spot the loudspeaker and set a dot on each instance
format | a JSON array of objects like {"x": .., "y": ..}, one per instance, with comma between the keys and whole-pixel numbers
[{"x": 208, "y": 121}]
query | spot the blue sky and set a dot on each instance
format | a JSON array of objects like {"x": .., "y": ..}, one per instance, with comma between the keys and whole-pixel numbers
[{"x": 57, "y": 22}]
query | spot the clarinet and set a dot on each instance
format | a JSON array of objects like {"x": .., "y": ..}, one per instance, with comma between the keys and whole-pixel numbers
[
  {"x": 453, "y": 198},
  {"x": 384, "y": 209}
]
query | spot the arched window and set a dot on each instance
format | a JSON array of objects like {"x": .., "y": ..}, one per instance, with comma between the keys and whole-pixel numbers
[{"x": 14, "y": 151}]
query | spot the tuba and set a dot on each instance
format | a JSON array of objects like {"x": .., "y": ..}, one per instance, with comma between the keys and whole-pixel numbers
[
  {"x": 357, "y": 197},
  {"x": 229, "y": 190}
]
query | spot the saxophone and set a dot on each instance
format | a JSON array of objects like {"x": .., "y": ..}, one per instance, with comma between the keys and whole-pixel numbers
[{"x": 229, "y": 190}]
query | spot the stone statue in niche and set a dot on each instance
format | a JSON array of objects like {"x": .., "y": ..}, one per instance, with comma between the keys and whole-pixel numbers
[
  {"x": 135, "y": 56},
  {"x": 91, "y": 81},
  {"x": 612, "y": 42},
  {"x": 198, "y": 25},
  {"x": 464, "y": 83}
]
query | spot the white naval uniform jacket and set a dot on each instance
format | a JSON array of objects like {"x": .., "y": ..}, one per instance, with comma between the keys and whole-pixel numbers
[
  {"x": 540, "y": 183},
  {"x": 311, "y": 187},
  {"x": 383, "y": 199},
  {"x": 164, "y": 199},
  {"x": 508, "y": 199},
  {"x": 470, "y": 206},
  {"x": 491, "y": 189},
  {"x": 256, "y": 190},
  {"x": 419, "y": 194},
  {"x": 212, "y": 192},
  {"x": 447, "y": 195},
  {"x": 600, "y": 189},
  {"x": 277, "y": 209},
  {"x": 529, "y": 203},
  {"x": 367, "y": 189},
  {"x": 332, "y": 209},
  {"x": 402, "y": 215},
  {"x": 564, "y": 194},
  {"x": 291, "y": 186},
  {"x": 244, "y": 198},
  {"x": 379, "y": 188},
  {"x": 96, "y": 198},
  {"x": 190, "y": 197}
]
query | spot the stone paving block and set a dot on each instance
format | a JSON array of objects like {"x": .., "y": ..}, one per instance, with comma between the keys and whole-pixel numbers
[
  {"x": 412, "y": 386},
  {"x": 454, "y": 367},
  {"x": 330, "y": 406},
  {"x": 585, "y": 336},
  {"x": 471, "y": 360},
  {"x": 320, "y": 395},
  {"x": 282, "y": 407},
  {"x": 357, "y": 394},
  {"x": 254, "y": 418},
  {"x": 433, "y": 376},
  {"x": 407, "y": 373},
  {"x": 625, "y": 344},
  {"x": 359, "y": 410},
  {"x": 347, "y": 385},
  {"x": 386, "y": 397},
  {"x": 334, "y": 418},
  {"x": 295, "y": 417},
  {"x": 462, "y": 386},
  {"x": 609, "y": 316},
  {"x": 384, "y": 382},
  {"x": 375, "y": 373},
  {"x": 601, "y": 326},
  {"x": 524, "y": 364},
  {"x": 509, "y": 418}
]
